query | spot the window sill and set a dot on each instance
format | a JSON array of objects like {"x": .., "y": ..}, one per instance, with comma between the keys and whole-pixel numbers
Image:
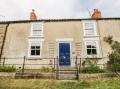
[
  {"x": 34, "y": 58},
  {"x": 36, "y": 37},
  {"x": 91, "y": 35},
  {"x": 93, "y": 57}
]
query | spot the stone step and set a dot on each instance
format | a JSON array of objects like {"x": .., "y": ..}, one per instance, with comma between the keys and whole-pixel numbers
[
  {"x": 66, "y": 68},
  {"x": 66, "y": 73}
]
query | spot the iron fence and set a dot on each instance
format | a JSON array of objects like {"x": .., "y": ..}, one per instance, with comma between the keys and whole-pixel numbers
[
  {"x": 51, "y": 65},
  {"x": 52, "y": 62}
]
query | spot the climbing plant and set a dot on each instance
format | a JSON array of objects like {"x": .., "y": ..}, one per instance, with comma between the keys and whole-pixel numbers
[{"x": 114, "y": 56}]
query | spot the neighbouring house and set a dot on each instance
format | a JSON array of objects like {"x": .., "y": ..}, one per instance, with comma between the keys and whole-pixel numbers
[{"x": 39, "y": 40}]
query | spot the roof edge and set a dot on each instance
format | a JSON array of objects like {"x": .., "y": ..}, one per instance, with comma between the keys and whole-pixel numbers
[{"x": 56, "y": 20}]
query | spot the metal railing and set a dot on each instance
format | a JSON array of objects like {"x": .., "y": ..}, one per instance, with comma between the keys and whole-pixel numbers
[{"x": 53, "y": 63}]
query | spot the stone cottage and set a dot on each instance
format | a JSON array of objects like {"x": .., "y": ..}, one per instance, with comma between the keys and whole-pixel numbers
[{"x": 39, "y": 40}]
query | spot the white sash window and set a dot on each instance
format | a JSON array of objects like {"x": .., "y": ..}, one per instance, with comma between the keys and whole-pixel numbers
[
  {"x": 35, "y": 49},
  {"x": 37, "y": 29},
  {"x": 92, "y": 48},
  {"x": 89, "y": 28}
]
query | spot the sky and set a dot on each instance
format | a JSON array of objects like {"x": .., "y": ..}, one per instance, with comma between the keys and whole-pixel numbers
[{"x": 57, "y": 9}]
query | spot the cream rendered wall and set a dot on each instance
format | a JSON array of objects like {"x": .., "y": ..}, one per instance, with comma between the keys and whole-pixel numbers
[
  {"x": 16, "y": 43},
  {"x": 63, "y": 30},
  {"x": 55, "y": 31},
  {"x": 18, "y": 34},
  {"x": 106, "y": 28}
]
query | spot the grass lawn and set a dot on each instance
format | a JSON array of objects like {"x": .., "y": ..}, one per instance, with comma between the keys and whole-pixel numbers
[{"x": 56, "y": 84}]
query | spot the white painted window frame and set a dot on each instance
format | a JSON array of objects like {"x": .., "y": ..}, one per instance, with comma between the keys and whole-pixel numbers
[
  {"x": 97, "y": 48},
  {"x": 29, "y": 49},
  {"x": 95, "y": 28},
  {"x": 42, "y": 29}
]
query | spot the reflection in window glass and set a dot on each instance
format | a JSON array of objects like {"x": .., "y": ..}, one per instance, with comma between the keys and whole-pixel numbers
[
  {"x": 91, "y": 48},
  {"x": 35, "y": 49}
]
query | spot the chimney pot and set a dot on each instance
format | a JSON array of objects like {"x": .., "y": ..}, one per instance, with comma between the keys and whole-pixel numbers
[
  {"x": 96, "y": 14},
  {"x": 33, "y": 15}
]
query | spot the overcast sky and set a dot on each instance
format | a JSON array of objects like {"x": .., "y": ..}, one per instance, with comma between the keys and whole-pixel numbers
[{"x": 19, "y": 9}]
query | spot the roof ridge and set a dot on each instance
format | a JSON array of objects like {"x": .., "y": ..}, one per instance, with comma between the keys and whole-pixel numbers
[{"x": 56, "y": 20}]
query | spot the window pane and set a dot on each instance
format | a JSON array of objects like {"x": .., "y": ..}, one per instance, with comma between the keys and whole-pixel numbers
[
  {"x": 88, "y": 46},
  {"x": 37, "y": 52},
  {"x": 91, "y": 48},
  {"x": 89, "y": 31},
  {"x": 36, "y": 32},
  {"x": 89, "y": 25},
  {"x": 89, "y": 28},
  {"x": 35, "y": 44},
  {"x": 94, "y": 51},
  {"x": 89, "y": 51},
  {"x": 37, "y": 28},
  {"x": 93, "y": 44},
  {"x": 37, "y": 47},
  {"x": 32, "y": 52},
  {"x": 32, "y": 47}
]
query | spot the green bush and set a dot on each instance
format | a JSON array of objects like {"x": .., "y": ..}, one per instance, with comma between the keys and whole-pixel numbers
[
  {"x": 46, "y": 69},
  {"x": 114, "y": 57},
  {"x": 7, "y": 69},
  {"x": 92, "y": 69},
  {"x": 113, "y": 67}
]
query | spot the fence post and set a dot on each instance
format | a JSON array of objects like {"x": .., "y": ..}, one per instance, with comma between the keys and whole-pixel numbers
[
  {"x": 76, "y": 61},
  {"x": 54, "y": 64},
  {"x": 4, "y": 61},
  {"x": 57, "y": 71},
  {"x": 23, "y": 65},
  {"x": 80, "y": 66},
  {"x": 51, "y": 62},
  {"x": 77, "y": 74}
]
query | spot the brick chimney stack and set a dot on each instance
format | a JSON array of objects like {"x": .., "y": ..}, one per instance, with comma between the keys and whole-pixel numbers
[
  {"x": 33, "y": 15},
  {"x": 96, "y": 14}
]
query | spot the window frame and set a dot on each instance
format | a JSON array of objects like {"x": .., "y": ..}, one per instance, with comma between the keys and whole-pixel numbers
[
  {"x": 29, "y": 50},
  {"x": 32, "y": 30},
  {"x": 94, "y": 28},
  {"x": 97, "y": 48},
  {"x": 35, "y": 47}
]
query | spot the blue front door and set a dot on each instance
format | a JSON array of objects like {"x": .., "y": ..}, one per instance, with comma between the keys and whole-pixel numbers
[{"x": 64, "y": 54}]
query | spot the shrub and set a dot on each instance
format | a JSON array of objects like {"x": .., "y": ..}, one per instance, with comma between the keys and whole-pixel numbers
[
  {"x": 92, "y": 69},
  {"x": 7, "y": 69},
  {"x": 114, "y": 57},
  {"x": 46, "y": 69},
  {"x": 113, "y": 67}
]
